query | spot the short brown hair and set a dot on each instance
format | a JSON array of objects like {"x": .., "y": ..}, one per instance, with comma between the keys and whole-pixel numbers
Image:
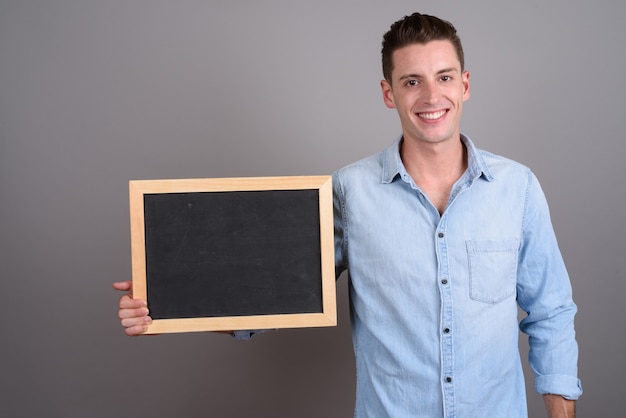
[{"x": 418, "y": 29}]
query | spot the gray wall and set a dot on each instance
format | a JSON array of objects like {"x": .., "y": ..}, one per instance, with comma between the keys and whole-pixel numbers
[{"x": 95, "y": 93}]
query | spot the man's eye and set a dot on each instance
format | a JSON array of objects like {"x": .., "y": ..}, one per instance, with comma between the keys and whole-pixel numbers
[
  {"x": 411, "y": 83},
  {"x": 445, "y": 78}
]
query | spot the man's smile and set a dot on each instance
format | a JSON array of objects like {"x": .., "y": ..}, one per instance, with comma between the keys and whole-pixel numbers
[{"x": 432, "y": 115}]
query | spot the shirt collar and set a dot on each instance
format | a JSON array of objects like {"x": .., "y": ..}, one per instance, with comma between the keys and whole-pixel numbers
[{"x": 393, "y": 166}]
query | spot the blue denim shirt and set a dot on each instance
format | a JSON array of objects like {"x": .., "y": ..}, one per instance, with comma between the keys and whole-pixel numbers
[{"x": 434, "y": 298}]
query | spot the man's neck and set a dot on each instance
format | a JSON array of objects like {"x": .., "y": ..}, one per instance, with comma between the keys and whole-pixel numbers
[{"x": 435, "y": 167}]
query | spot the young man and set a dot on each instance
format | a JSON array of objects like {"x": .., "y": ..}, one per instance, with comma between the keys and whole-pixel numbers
[{"x": 442, "y": 241}]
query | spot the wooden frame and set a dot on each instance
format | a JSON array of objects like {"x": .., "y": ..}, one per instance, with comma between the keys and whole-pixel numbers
[{"x": 140, "y": 192}]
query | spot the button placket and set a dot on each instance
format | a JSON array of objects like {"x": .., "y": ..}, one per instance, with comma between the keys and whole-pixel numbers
[{"x": 447, "y": 354}]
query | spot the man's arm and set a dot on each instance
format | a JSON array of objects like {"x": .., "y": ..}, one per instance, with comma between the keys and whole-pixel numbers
[
  {"x": 559, "y": 407},
  {"x": 545, "y": 294}
]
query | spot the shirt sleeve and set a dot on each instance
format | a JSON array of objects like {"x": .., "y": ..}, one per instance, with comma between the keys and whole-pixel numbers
[
  {"x": 339, "y": 225},
  {"x": 545, "y": 294}
]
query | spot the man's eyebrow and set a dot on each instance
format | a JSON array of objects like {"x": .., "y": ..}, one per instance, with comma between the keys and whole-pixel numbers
[
  {"x": 448, "y": 70},
  {"x": 442, "y": 71},
  {"x": 404, "y": 77}
]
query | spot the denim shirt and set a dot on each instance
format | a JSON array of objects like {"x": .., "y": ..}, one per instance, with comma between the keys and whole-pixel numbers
[{"x": 434, "y": 298}]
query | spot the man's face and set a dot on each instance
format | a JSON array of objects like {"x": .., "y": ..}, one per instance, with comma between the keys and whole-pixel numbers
[{"x": 428, "y": 90}]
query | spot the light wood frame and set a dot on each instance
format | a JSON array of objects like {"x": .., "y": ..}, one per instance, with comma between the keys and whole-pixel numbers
[{"x": 139, "y": 188}]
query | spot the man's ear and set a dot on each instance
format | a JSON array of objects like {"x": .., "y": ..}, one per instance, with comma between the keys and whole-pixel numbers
[
  {"x": 387, "y": 94},
  {"x": 466, "y": 85}
]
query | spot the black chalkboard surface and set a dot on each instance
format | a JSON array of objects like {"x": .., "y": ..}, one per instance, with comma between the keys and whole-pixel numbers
[{"x": 226, "y": 254}]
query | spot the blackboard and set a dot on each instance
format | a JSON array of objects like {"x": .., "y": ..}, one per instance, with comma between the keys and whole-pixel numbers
[{"x": 237, "y": 253}]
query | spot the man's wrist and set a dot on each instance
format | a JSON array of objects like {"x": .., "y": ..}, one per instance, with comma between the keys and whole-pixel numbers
[{"x": 559, "y": 407}]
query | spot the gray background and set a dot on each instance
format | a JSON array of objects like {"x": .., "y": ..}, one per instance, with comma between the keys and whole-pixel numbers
[{"x": 95, "y": 93}]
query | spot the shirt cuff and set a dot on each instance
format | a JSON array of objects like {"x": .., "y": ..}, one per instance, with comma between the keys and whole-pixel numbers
[
  {"x": 568, "y": 387},
  {"x": 246, "y": 335}
]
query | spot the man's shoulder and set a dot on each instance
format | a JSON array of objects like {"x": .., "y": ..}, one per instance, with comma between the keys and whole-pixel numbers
[
  {"x": 371, "y": 166},
  {"x": 498, "y": 164},
  {"x": 369, "y": 163},
  {"x": 365, "y": 170},
  {"x": 489, "y": 162}
]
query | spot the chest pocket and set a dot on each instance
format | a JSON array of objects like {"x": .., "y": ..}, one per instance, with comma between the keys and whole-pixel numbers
[{"x": 492, "y": 269}]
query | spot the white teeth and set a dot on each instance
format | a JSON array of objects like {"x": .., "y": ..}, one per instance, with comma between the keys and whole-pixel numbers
[{"x": 435, "y": 115}]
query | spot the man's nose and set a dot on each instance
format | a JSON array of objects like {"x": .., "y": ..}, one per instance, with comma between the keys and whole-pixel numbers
[{"x": 430, "y": 93}]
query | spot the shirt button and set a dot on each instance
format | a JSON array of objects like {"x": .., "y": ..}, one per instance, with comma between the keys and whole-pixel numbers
[
  {"x": 446, "y": 330},
  {"x": 440, "y": 235},
  {"x": 448, "y": 379},
  {"x": 444, "y": 281}
]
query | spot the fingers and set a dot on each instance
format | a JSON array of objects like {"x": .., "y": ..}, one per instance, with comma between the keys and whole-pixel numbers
[
  {"x": 123, "y": 286},
  {"x": 133, "y": 313},
  {"x": 136, "y": 330},
  {"x": 127, "y": 302},
  {"x": 136, "y": 325}
]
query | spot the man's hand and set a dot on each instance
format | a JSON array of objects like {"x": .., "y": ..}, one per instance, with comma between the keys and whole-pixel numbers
[
  {"x": 133, "y": 313},
  {"x": 559, "y": 407}
]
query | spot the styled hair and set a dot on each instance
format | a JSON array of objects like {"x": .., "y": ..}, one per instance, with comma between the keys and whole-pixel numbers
[{"x": 418, "y": 29}]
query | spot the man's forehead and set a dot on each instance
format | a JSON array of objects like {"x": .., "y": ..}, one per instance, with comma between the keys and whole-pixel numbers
[
  {"x": 432, "y": 57},
  {"x": 427, "y": 51}
]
